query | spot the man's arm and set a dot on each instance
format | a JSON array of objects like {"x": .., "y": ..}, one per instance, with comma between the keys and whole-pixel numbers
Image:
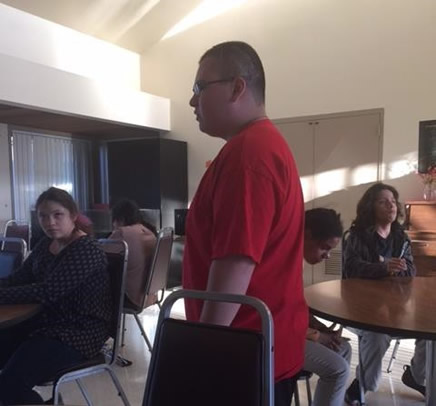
[{"x": 227, "y": 275}]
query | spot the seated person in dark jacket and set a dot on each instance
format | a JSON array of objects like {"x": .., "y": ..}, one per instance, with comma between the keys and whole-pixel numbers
[
  {"x": 67, "y": 274},
  {"x": 326, "y": 354},
  {"x": 377, "y": 247}
]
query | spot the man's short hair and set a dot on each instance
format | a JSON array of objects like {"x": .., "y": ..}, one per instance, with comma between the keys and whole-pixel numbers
[
  {"x": 323, "y": 224},
  {"x": 237, "y": 58}
]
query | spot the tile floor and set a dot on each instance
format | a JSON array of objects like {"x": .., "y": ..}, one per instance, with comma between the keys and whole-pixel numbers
[{"x": 391, "y": 392}]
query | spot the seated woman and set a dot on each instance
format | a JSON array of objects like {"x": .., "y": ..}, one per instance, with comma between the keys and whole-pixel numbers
[
  {"x": 326, "y": 354},
  {"x": 376, "y": 247},
  {"x": 67, "y": 274},
  {"x": 141, "y": 239}
]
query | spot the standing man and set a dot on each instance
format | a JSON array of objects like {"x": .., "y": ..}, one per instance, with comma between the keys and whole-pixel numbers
[{"x": 245, "y": 226}]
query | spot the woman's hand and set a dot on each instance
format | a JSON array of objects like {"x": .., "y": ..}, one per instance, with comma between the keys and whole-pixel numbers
[{"x": 396, "y": 265}]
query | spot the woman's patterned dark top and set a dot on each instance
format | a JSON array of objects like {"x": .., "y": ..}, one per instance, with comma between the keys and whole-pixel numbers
[{"x": 73, "y": 288}]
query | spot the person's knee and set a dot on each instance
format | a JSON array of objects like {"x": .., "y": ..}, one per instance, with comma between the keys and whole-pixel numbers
[
  {"x": 377, "y": 341},
  {"x": 342, "y": 370}
]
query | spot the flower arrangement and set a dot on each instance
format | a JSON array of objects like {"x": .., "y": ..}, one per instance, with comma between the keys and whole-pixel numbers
[{"x": 429, "y": 177}]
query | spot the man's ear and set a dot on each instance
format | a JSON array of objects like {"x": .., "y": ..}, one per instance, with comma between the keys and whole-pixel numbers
[{"x": 239, "y": 88}]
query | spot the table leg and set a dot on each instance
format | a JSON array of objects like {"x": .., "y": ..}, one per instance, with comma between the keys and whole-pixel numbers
[{"x": 430, "y": 376}]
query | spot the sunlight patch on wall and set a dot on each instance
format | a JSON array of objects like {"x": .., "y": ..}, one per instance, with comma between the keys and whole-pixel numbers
[
  {"x": 95, "y": 59},
  {"x": 404, "y": 166},
  {"x": 363, "y": 174},
  {"x": 330, "y": 181},
  {"x": 306, "y": 186},
  {"x": 207, "y": 10},
  {"x": 325, "y": 183}
]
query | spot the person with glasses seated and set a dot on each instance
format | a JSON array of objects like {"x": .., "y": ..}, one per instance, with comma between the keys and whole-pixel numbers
[
  {"x": 67, "y": 274},
  {"x": 378, "y": 247},
  {"x": 327, "y": 354}
]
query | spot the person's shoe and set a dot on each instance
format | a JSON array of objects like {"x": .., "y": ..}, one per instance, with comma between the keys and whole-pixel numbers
[
  {"x": 352, "y": 395},
  {"x": 408, "y": 380}
]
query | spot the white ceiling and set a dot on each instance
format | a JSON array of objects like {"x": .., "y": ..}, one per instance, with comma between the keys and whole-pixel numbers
[{"x": 131, "y": 24}]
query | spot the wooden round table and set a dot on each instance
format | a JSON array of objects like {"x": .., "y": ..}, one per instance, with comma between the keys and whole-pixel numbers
[
  {"x": 404, "y": 307},
  {"x": 16, "y": 313}
]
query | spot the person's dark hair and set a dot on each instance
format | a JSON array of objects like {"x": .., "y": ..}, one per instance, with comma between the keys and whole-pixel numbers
[
  {"x": 60, "y": 196},
  {"x": 365, "y": 213},
  {"x": 127, "y": 212},
  {"x": 237, "y": 58},
  {"x": 63, "y": 198},
  {"x": 323, "y": 224}
]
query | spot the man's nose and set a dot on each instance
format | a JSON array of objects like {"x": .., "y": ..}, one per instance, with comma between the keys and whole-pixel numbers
[{"x": 193, "y": 100}]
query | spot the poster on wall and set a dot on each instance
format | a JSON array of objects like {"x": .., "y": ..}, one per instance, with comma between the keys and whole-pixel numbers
[{"x": 427, "y": 145}]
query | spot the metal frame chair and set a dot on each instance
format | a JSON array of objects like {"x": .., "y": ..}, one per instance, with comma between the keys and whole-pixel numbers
[
  {"x": 303, "y": 376},
  {"x": 117, "y": 265},
  {"x": 195, "y": 363},
  {"x": 17, "y": 229},
  {"x": 10, "y": 260},
  {"x": 394, "y": 355},
  {"x": 156, "y": 282}
]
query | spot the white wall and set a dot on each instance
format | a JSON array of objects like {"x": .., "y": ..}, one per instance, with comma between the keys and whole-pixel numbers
[
  {"x": 44, "y": 88},
  {"x": 34, "y": 39},
  {"x": 320, "y": 57}
]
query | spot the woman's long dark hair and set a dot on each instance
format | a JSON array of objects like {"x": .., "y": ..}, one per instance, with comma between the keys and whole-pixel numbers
[
  {"x": 365, "y": 216},
  {"x": 127, "y": 212}
]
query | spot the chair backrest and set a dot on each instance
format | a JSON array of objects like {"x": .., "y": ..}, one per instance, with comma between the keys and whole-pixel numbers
[
  {"x": 160, "y": 264},
  {"x": 344, "y": 246},
  {"x": 16, "y": 229},
  {"x": 10, "y": 260},
  {"x": 117, "y": 255},
  {"x": 205, "y": 364}
]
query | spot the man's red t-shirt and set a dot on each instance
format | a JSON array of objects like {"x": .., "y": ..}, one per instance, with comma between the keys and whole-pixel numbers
[{"x": 249, "y": 203}]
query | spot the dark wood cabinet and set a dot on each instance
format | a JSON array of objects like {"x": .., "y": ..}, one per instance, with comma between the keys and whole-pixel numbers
[
  {"x": 421, "y": 227},
  {"x": 153, "y": 172}
]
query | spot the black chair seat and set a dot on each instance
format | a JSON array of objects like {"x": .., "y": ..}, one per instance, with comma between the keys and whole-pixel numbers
[{"x": 98, "y": 360}]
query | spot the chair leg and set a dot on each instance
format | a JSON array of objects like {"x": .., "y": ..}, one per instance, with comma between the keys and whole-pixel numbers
[
  {"x": 117, "y": 384},
  {"x": 123, "y": 329},
  {"x": 393, "y": 356},
  {"x": 84, "y": 392},
  {"x": 56, "y": 394},
  {"x": 147, "y": 341},
  {"x": 296, "y": 395},
  {"x": 309, "y": 392}
]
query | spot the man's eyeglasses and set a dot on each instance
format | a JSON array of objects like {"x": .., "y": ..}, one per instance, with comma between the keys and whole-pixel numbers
[{"x": 200, "y": 85}]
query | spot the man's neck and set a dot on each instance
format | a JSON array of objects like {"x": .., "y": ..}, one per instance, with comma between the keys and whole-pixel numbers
[{"x": 245, "y": 120}]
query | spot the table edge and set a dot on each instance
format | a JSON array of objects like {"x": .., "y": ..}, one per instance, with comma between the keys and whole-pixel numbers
[{"x": 395, "y": 332}]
